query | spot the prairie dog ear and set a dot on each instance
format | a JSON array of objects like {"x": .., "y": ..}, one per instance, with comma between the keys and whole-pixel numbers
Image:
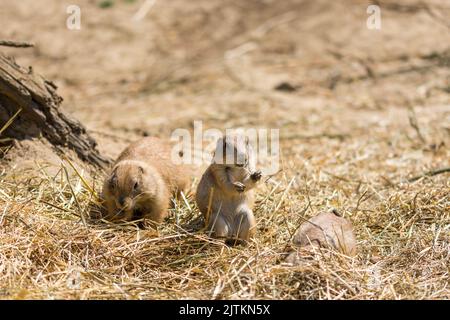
[
  {"x": 218, "y": 153},
  {"x": 113, "y": 174},
  {"x": 113, "y": 179},
  {"x": 141, "y": 170}
]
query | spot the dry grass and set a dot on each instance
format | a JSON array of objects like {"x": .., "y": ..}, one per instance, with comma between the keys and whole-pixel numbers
[{"x": 49, "y": 248}]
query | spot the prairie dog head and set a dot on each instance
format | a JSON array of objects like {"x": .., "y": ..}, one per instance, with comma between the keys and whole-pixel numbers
[
  {"x": 235, "y": 151},
  {"x": 130, "y": 184}
]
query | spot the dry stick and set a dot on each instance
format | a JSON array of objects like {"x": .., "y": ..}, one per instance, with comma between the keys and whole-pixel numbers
[
  {"x": 270, "y": 193},
  {"x": 336, "y": 176},
  {"x": 8, "y": 123},
  {"x": 83, "y": 219},
  {"x": 283, "y": 196},
  {"x": 361, "y": 200},
  {"x": 206, "y": 240},
  {"x": 4, "y": 212},
  {"x": 53, "y": 206},
  {"x": 110, "y": 135},
  {"x": 143, "y": 10},
  {"x": 236, "y": 238},
  {"x": 87, "y": 186},
  {"x": 208, "y": 212},
  {"x": 410, "y": 221},
  {"x": 269, "y": 176},
  {"x": 249, "y": 261},
  {"x": 285, "y": 193},
  {"x": 339, "y": 136},
  {"x": 185, "y": 201},
  {"x": 343, "y": 178},
  {"x": 435, "y": 16},
  {"x": 413, "y": 122},
  {"x": 16, "y": 44},
  {"x": 352, "y": 290},
  {"x": 430, "y": 174},
  {"x": 215, "y": 220},
  {"x": 291, "y": 235}
]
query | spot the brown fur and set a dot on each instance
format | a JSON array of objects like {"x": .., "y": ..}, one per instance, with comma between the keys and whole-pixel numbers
[
  {"x": 230, "y": 215},
  {"x": 142, "y": 180},
  {"x": 327, "y": 229}
]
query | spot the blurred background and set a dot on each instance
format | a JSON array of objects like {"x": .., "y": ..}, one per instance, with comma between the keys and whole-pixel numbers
[{"x": 309, "y": 68}]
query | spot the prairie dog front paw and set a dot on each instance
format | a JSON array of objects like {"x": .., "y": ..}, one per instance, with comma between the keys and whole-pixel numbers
[
  {"x": 239, "y": 186},
  {"x": 256, "y": 176}
]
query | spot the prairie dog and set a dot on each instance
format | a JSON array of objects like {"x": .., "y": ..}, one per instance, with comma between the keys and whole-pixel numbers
[
  {"x": 229, "y": 180},
  {"x": 142, "y": 180},
  {"x": 327, "y": 229}
]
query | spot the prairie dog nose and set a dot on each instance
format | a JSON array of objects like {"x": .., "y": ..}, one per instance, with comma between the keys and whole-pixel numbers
[{"x": 122, "y": 201}]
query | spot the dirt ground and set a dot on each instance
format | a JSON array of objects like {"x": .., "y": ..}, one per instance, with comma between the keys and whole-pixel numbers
[{"x": 359, "y": 111}]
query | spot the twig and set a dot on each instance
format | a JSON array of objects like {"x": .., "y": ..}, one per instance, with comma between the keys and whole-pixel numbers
[
  {"x": 272, "y": 175},
  {"x": 83, "y": 180},
  {"x": 110, "y": 135},
  {"x": 430, "y": 174},
  {"x": 83, "y": 219},
  {"x": 208, "y": 213},
  {"x": 16, "y": 44},
  {"x": 361, "y": 199},
  {"x": 291, "y": 235},
  {"x": 283, "y": 196},
  {"x": 413, "y": 122},
  {"x": 143, "y": 10},
  {"x": 336, "y": 176},
  {"x": 185, "y": 201},
  {"x": 436, "y": 17},
  {"x": 8, "y": 123},
  {"x": 294, "y": 136}
]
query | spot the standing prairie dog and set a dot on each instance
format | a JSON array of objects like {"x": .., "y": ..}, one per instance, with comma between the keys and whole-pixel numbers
[
  {"x": 329, "y": 230},
  {"x": 227, "y": 187},
  {"x": 142, "y": 180}
]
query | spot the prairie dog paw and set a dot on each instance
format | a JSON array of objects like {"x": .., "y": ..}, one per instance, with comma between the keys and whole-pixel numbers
[
  {"x": 256, "y": 176},
  {"x": 240, "y": 187}
]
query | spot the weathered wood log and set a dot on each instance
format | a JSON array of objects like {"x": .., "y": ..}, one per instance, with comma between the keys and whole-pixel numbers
[
  {"x": 41, "y": 115},
  {"x": 16, "y": 44}
]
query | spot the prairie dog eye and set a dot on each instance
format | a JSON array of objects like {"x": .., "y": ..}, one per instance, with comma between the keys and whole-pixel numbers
[
  {"x": 136, "y": 186},
  {"x": 113, "y": 183}
]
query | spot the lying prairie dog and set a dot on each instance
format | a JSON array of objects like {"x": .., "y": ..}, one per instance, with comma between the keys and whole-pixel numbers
[
  {"x": 328, "y": 230},
  {"x": 142, "y": 181},
  {"x": 227, "y": 185}
]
